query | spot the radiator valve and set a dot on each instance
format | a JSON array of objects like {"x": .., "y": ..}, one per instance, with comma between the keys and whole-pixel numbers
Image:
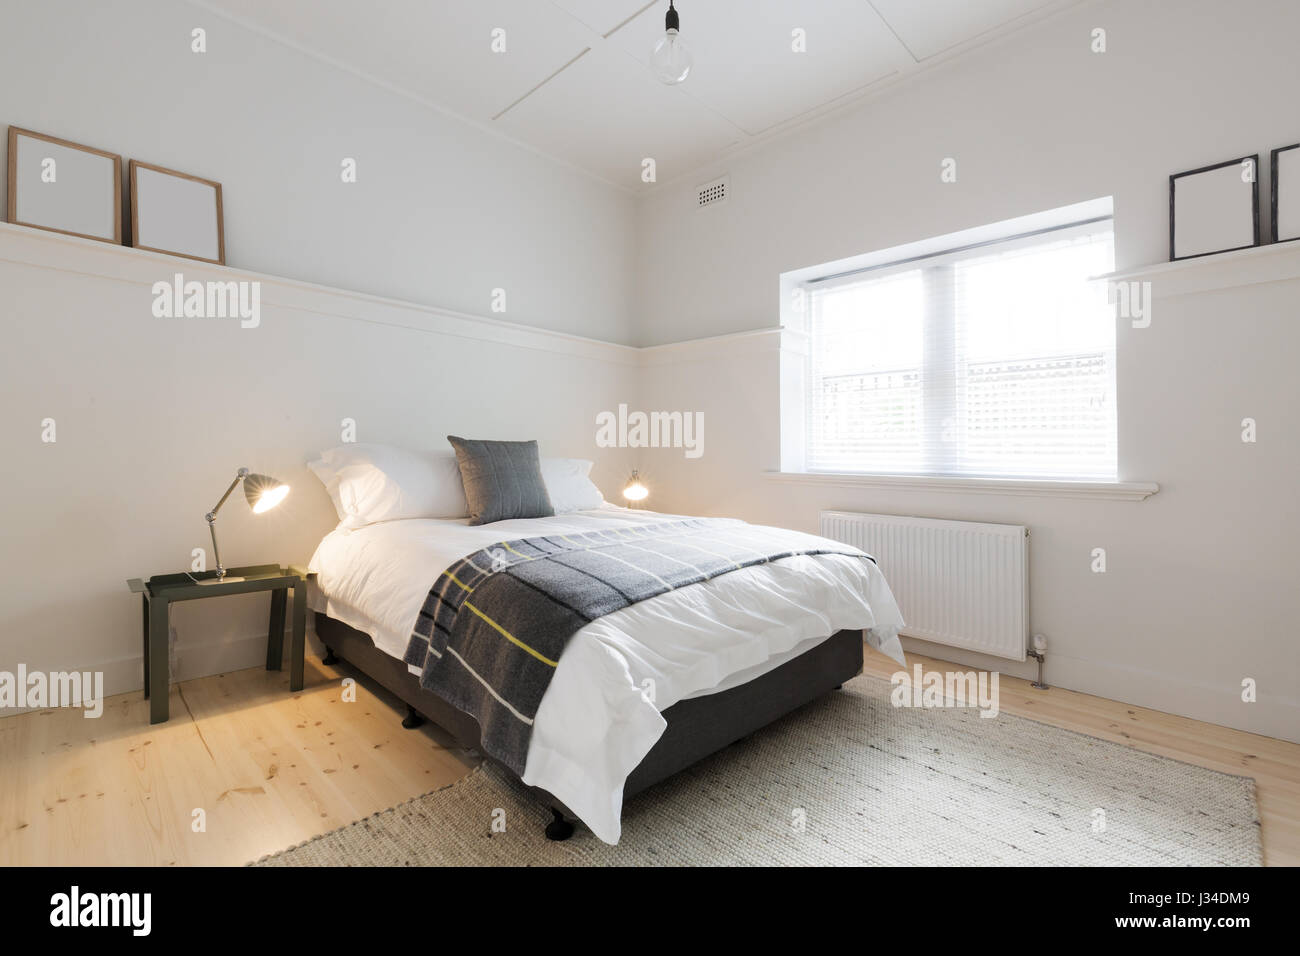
[{"x": 1039, "y": 653}]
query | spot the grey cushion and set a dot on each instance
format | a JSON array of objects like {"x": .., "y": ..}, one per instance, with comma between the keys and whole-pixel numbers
[{"x": 503, "y": 479}]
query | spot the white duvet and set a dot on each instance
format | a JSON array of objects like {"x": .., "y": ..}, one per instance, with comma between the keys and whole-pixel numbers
[{"x": 601, "y": 713}]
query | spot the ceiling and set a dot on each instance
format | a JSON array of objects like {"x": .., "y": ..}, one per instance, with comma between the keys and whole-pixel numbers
[{"x": 574, "y": 82}]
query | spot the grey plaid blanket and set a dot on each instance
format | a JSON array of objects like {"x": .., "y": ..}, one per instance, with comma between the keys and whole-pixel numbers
[{"x": 495, "y": 623}]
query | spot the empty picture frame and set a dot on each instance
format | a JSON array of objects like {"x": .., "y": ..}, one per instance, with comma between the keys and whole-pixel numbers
[
  {"x": 1214, "y": 208},
  {"x": 64, "y": 187},
  {"x": 176, "y": 213},
  {"x": 1286, "y": 193}
]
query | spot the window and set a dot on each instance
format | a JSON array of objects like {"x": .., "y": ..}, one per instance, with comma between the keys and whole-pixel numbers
[{"x": 992, "y": 360}]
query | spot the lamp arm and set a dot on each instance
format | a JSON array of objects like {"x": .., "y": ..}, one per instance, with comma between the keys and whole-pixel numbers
[
  {"x": 216, "y": 552},
  {"x": 211, "y": 518},
  {"x": 240, "y": 476}
]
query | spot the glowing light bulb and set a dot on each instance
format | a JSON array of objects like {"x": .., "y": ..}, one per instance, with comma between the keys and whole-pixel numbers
[
  {"x": 270, "y": 499},
  {"x": 635, "y": 491}
]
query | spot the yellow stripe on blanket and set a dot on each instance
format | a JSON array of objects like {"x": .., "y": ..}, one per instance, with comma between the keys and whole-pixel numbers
[
  {"x": 466, "y": 587},
  {"x": 510, "y": 637}
]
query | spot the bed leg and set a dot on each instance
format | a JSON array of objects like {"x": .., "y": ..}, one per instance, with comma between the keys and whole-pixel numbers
[
  {"x": 559, "y": 828},
  {"x": 329, "y": 657},
  {"x": 412, "y": 718}
]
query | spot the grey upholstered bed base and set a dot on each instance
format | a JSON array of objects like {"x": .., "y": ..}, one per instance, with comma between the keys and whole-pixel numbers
[{"x": 696, "y": 728}]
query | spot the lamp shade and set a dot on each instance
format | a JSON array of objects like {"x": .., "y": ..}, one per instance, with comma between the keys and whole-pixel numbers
[{"x": 263, "y": 492}]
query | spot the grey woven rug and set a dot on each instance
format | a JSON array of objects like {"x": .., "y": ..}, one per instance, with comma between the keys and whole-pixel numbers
[{"x": 850, "y": 780}]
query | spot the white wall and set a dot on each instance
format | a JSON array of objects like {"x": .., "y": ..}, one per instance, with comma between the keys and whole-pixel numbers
[
  {"x": 153, "y": 416},
  {"x": 1035, "y": 121},
  {"x": 1200, "y": 591},
  {"x": 442, "y": 213}
]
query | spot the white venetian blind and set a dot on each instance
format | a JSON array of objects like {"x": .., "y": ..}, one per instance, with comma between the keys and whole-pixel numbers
[{"x": 997, "y": 361}]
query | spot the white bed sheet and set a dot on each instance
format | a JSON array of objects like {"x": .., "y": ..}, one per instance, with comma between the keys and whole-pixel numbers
[{"x": 601, "y": 713}]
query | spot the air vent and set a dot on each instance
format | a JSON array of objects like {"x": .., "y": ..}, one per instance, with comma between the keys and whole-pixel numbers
[{"x": 710, "y": 194}]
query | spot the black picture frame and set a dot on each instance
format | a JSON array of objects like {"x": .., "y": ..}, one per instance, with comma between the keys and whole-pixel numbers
[
  {"x": 1272, "y": 159},
  {"x": 1254, "y": 200}
]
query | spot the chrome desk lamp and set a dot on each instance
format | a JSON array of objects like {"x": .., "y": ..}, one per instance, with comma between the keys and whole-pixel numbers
[{"x": 263, "y": 494}]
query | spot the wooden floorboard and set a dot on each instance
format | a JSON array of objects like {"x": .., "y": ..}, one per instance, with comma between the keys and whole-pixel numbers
[{"x": 269, "y": 769}]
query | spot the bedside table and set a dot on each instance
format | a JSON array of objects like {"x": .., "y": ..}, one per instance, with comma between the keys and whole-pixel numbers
[{"x": 162, "y": 590}]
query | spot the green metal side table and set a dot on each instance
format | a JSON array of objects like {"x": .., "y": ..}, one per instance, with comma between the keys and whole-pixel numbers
[{"x": 162, "y": 590}]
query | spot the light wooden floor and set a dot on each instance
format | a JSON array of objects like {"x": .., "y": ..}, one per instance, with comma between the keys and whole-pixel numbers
[
  {"x": 268, "y": 768},
  {"x": 271, "y": 769}
]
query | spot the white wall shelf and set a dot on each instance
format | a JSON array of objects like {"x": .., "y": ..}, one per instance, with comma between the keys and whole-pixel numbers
[{"x": 1275, "y": 262}]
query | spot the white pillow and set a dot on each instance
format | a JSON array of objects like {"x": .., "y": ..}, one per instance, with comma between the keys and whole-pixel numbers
[
  {"x": 568, "y": 485},
  {"x": 370, "y": 483}
]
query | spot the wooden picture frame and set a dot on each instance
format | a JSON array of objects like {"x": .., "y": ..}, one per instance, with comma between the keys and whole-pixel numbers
[
  {"x": 91, "y": 206},
  {"x": 1289, "y": 209},
  {"x": 176, "y": 213},
  {"x": 1215, "y": 217}
]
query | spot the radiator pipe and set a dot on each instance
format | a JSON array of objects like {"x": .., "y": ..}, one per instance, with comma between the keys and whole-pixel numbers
[{"x": 1039, "y": 653}]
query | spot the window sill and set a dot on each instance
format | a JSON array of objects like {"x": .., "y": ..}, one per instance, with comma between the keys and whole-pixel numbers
[{"x": 1011, "y": 487}]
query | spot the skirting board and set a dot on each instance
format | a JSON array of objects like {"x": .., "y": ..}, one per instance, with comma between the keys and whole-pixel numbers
[
  {"x": 1273, "y": 714},
  {"x": 1278, "y": 715},
  {"x": 125, "y": 675}
]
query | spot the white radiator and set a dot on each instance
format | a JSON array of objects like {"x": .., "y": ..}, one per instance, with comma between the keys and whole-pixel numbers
[{"x": 957, "y": 583}]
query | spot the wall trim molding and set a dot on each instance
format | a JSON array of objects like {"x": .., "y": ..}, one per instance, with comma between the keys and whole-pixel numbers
[
  {"x": 730, "y": 345},
  {"x": 39, "y": 248}
]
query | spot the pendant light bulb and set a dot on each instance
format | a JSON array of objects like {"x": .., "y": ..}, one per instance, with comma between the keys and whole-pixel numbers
[{"x": 671, "y": 59}]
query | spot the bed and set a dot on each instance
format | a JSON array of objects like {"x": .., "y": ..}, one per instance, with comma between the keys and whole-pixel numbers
[{"x": 639, "y": 693}]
